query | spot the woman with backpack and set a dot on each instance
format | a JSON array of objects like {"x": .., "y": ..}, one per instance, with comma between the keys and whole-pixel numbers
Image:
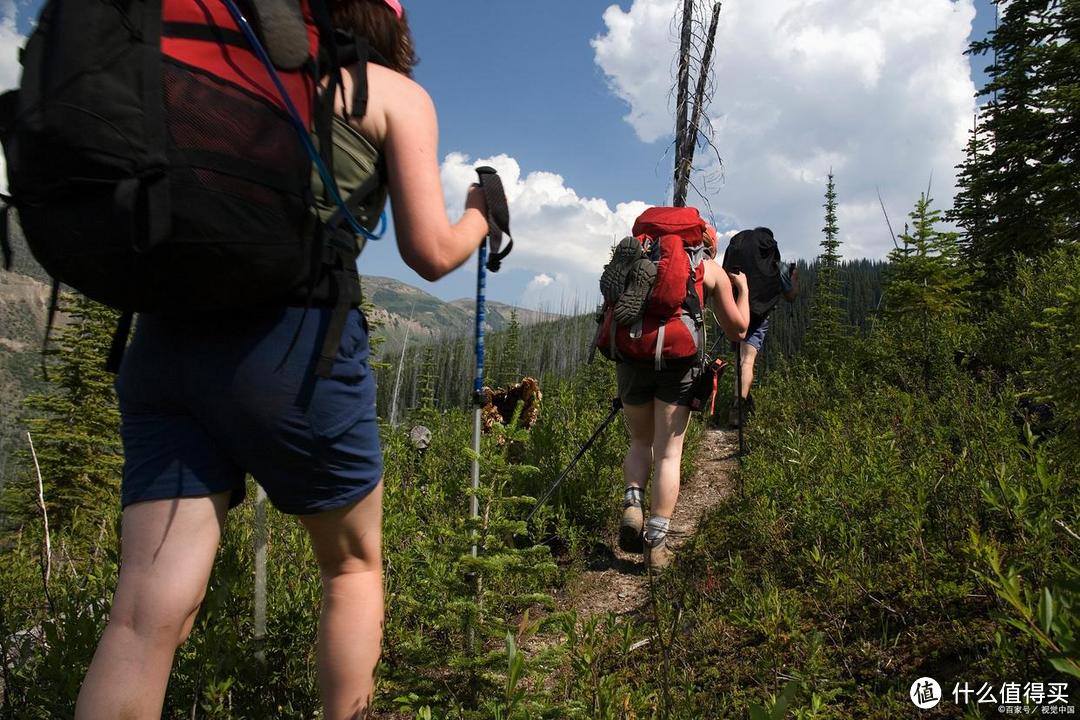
[
  {"x": 206, "y": 400},
  {"x": 656, "y": 395}
]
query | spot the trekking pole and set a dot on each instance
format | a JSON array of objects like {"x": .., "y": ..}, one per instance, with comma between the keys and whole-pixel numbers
[
  {"x": 616, "y": 406},
  {"x": 498, "y": 224},
  {"x": 739, "y": 405}
]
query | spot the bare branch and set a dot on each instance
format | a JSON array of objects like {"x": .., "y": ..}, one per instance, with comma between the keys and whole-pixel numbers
[
  {"x": 889, "y": 224},
  {"x": 46, "y": 570}
]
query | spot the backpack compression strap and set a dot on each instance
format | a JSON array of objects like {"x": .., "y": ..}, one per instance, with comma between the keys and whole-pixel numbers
[
  {"x": 498, "y": 216},
  {"x": 339, "y": 248}
]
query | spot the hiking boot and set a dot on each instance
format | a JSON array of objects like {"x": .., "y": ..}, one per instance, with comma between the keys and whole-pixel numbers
[
  {"x": 630, "y": 536},
  {"x": 733, "y": 417},
  {"x": 657, "y": 554},
  {"x": 631, "y": 305},
  {"x": 613, "y": 281}
]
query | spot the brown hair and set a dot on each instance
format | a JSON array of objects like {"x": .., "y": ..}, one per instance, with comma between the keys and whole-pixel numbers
[{"x": 387, "y": 35}]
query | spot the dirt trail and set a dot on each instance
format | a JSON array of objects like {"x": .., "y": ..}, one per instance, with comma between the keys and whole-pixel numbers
[{"x": 618, "y": 582}]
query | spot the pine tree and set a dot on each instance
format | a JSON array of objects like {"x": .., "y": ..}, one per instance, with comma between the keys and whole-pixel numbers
[
  {"x": 826, "y": 312},
  {"x": 1020, "y": 185},
  {"x": 927, "y": 278},
  {"x": 928, "y": 290},
  {"x": 75, "y": 425}
]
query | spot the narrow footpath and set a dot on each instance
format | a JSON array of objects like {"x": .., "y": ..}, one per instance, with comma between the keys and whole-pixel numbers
[{"x": 618, "y": 581}]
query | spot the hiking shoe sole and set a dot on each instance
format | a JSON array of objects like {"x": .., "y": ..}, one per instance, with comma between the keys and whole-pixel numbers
[
  {"x": 613, "y": 281},
  {"x": 630, "y": 537},
  {"x": 631, "y": 305}
]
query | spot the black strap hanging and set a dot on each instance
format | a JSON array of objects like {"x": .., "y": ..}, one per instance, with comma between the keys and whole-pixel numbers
[
  {"x": 498, "y": 217},
  {"x": 119, "y": 342}
]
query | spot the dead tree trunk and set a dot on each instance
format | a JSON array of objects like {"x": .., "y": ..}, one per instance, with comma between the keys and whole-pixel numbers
[
  {"x": 684, "y": 155},
  {"x": 682, "y": 92}
]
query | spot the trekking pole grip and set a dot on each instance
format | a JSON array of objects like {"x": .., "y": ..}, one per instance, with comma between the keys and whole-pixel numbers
[{"x": 498, "y": 216}]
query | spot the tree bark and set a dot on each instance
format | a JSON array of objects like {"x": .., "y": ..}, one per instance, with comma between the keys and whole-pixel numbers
[
  {"x": 684, "y": 161},
  {"x": 682, "y": 88}
]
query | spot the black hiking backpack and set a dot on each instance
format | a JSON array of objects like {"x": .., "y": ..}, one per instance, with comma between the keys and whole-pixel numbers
[
  {"x": 755, "y": 254},
  {"x": 159, "y": 165}
]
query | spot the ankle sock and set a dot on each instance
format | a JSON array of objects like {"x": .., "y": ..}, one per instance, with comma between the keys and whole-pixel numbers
[
  {"x": 633, "y": 497},
  {"x": 656, "y": 529}
]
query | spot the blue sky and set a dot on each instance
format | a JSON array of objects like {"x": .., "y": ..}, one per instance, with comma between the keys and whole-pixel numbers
[{"x": 568, "y": 98}]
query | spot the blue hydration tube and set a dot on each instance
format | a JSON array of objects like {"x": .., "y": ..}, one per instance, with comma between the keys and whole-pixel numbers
[{"x": 328, "y": 180}]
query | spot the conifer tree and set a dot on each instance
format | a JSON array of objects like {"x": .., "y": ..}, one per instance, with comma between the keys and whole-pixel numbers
[
  {"x": 927, "y": 291},
  {"x": 1020, "y": 185},
  {"x": 826, "y": 313},
  {"x": 926, "y": 278},
  {"x": 75, "y": 425}
]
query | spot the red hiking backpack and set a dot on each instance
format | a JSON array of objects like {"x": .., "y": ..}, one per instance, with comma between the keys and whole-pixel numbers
[{"x": 672, "y": 326}]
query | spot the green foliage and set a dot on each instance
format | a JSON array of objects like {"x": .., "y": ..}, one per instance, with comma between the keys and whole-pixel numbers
[
  {"x": 75, "y": 426},
  {"x": 432, "y": 602},
  {"x": 926, "y": 298},
  {"x": 1054, "y": 374},
  {"x": 849, "y": 567},
  {"x": 1020, "y": 185},
  {"x": 1033, "y": 337},
  {"x": 925, "y": 278},
  {"x": 826, "y": 309},
  {"x": 791, "y": 328},
  {"x": 506, "y": 370},
  {"x": 441, "y": 372}
]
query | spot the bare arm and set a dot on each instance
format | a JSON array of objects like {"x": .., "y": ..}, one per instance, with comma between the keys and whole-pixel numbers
[
  {"x": 401, "y": 118},
  {"x": 732, "y": 314}
]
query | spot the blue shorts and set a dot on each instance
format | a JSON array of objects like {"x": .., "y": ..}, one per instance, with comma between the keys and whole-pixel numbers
[
  {"x": 755, "y": 336},
  {"x": 203, "y": 401}
]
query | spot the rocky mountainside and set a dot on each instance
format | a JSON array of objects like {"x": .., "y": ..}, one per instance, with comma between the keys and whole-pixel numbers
[
  {"x": 400, "y": 308},
  {"x": 24, "y": 297}
]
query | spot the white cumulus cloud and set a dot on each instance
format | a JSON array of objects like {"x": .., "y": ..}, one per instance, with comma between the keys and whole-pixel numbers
[
  {"x": 540, "y": 281},
  {"x": 560, "y": 237},
  {"x": 877, "y": 90}
]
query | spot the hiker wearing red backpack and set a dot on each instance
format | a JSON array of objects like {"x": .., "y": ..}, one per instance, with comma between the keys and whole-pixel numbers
[
  {"x": 656, "y": 289},
  {"x": 755, "y": 253},
  {"x": 167, "y": 170}
]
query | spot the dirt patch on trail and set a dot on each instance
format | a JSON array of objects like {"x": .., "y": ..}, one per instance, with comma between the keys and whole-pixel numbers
[{"x": 617, "y": 581}]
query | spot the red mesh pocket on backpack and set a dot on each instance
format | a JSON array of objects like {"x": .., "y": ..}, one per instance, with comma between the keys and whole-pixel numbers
[
  {"x": 242, "y": 167},
  {"x": 238, "y": 177}
]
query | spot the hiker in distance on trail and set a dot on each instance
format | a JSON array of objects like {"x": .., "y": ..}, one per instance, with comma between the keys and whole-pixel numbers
[
  {"x": 250, "y": 353},
  {"x": 656, "y": 288},
  {"x": 755, "y": 253}
]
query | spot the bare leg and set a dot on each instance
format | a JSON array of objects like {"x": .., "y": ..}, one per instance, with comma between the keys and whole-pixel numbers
[
  {"x": 167, "y": 551},
  {"x": 639, "y": 457},
  {"x": 670, "y": 422},
  {"x": 347, "y": 544},
  {"x": 749, "y": 356}
]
